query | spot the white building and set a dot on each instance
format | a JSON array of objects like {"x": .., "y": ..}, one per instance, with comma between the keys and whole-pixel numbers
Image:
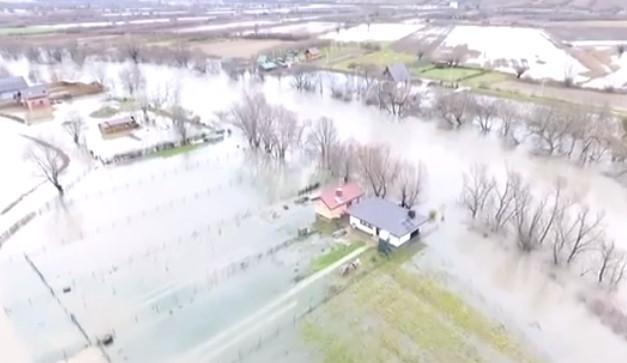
[{"x": 386, "y": 221}]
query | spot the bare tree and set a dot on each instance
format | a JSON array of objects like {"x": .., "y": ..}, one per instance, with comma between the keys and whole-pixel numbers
[
  {"x": 411, "y": 182},
  {"x": 574, "y": 234},
  {"x": 132, "y": 50},
  {"x": 132, "y": 79},
  {"x": 180, "y": 123},
  {"x": 550, "y": 126},
  {"x": 378, "y": 168},
  {"x": 100, "y": 73},
  {"x": 503, "y": 204},
  {"x": 484, "y": 111},
  {"x": 454, "y": 109},
  {"x": 620, "y": 49},
  {"x": 534, "y": 221},
  {"x": 181, "y": 55},
  {"x": 289, "y": 131},
  {"x": 302, "y": 79},
  {"x": 476, "y": 190},
  {"x": 48, "y": 161},
  {"x": 613, "y": 265},
  {"x": 397, "y": 99},
  {"x": 249, "y": 115},
  {"x": 368, "y": 74},
  {"x": 74, "y": 126},
  {"x": 521, "y": 68},
  {"x": 509, "y": 117},
  {"x": 343, "y": 161},
  {"x": 323, "y": 139}
]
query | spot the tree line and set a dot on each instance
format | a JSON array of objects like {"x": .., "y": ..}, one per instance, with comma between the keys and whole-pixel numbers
[{"x": 569, "y": 231}]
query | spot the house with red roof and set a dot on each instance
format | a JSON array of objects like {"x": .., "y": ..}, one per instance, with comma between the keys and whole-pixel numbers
[{"x": 334, "y": 201}]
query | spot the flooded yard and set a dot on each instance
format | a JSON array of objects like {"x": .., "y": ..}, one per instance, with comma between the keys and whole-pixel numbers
[{"x": 147, "y": 248}]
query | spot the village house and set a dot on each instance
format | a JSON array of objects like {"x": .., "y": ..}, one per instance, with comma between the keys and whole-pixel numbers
[
  {"x": 386, "y": 221},
  {"x": 397, "y": 73},
  {"x": 118, "y": 127},
  {"x": 312, "y": 54},
  {"x": 334, "y": 202},
  {"x": 11, "y": 88},
  {"x": 35, "y": 97}
]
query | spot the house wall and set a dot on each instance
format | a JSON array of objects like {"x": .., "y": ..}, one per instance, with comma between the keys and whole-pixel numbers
[
  {"x": 357, "y": 223},
  {"x": 38, "y": 103},
  {"x": 322, "y": 210},
  {"x": 398, "y": 241}
]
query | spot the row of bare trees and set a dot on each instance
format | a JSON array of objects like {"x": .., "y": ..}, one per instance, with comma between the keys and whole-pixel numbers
[
  {"x": 571, "y": 232},
  {"x": 373, "y": 165},
  {"x": 268, "y": 128},
  {"x": 584, "y": 135}
]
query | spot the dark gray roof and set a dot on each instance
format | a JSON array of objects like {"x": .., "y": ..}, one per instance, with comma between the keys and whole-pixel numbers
[
  {"x": 398, "y": 72},
  {"x": 12, "y": 84},
  {"x": 34, "y": 92},
  {"x": 387, "y": 215}
]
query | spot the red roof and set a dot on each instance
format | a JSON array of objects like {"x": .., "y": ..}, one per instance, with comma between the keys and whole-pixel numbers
[{"x": 337, "y": 196}]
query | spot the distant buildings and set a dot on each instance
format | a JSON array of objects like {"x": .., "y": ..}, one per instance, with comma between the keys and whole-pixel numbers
[
  {"x": 386, "y": 221},
  {"x": 334, "y": 202}
]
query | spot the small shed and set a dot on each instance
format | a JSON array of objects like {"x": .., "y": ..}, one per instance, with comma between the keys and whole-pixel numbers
[
  {"x": 397, "y": 73},
  {"x": 386, "y": 221},
  {"x": 35, "y": 97},
  {"x": 312, "y": 54},
  {"x": 11, "y": 88},
  {"x": 118, "y": 127}
]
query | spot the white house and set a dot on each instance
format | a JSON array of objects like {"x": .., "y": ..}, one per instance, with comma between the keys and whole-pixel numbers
[{"x": 386, "y": 220}]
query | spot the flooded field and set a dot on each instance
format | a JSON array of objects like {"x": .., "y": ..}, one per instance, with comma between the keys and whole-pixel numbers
[{"x": 146, "y": 243}]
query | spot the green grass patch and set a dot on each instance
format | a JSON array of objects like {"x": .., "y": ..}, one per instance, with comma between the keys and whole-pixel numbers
[
  {"x": 25, "y": 30},
  {"x": 487, "y": 79},
  {"x": 328, "y": 226},
  {"x": 379, "y": 58},
  {"x": 451, "y": 74},
  {"x": 335, "y": 254},
  {"x": 397, "y": 315},
  {"x": 167, "y": 153}
]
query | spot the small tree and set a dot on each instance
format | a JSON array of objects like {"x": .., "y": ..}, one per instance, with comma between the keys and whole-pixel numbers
[
  {"x": 476, "y": 190},
  {"x": 180, "y": 123},
  {"x": 323, "y": 139},
  {"x": 620, "y": 49},
  {"x": 48, "y": 162},
  {"x": 74, "y": 126},
  {"x": 411, "y": 183}
]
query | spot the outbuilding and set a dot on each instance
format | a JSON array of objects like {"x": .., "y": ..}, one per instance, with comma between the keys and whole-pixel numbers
[
  {"x": 334, "y": 201},
  {"x": 386, "y": 221},
  {"x": 35, "y": 97},
  {"x": 118, "y": 127}
]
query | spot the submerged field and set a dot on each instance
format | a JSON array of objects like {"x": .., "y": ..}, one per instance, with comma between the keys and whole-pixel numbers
[{"x": 397, "y": 314}]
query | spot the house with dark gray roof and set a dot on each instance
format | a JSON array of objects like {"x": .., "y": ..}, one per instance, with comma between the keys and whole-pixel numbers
[
  {"x": 11, "y": 88},
  {"x": 386, "y": 221},
  {"x": 397, "y": 73}
]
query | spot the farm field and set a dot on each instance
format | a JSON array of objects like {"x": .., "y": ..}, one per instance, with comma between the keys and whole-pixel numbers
[{"x": 237, "y": 48}]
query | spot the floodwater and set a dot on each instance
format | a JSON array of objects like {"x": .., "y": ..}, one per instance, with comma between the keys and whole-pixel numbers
[{"x": 133, "y": 237}]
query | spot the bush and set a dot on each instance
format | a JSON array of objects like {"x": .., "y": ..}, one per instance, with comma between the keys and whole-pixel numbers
[{"x": 433, "y": 214}]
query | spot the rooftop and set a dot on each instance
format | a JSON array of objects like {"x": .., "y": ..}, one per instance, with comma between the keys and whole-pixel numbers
[
  {"x": 337, "y": 196},
  {"x": 35, "y": 92},
  {"x": 12, "y": 84},
  {"x": 398, "y": 72},
  {"x": 387, "y": 215}
]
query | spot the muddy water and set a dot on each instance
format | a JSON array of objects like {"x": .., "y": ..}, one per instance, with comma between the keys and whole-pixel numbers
[{"x": 516, "y": 290}]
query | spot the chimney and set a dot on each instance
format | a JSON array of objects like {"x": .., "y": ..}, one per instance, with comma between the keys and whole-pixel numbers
[
  {"x": 338, "y": 192},
  {"x": 411, "y": 214}
]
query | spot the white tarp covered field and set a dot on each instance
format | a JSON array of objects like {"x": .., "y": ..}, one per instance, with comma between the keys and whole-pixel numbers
[
  {"x": 142, "y": 245},
  {"x": 504, "y": 47}
]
